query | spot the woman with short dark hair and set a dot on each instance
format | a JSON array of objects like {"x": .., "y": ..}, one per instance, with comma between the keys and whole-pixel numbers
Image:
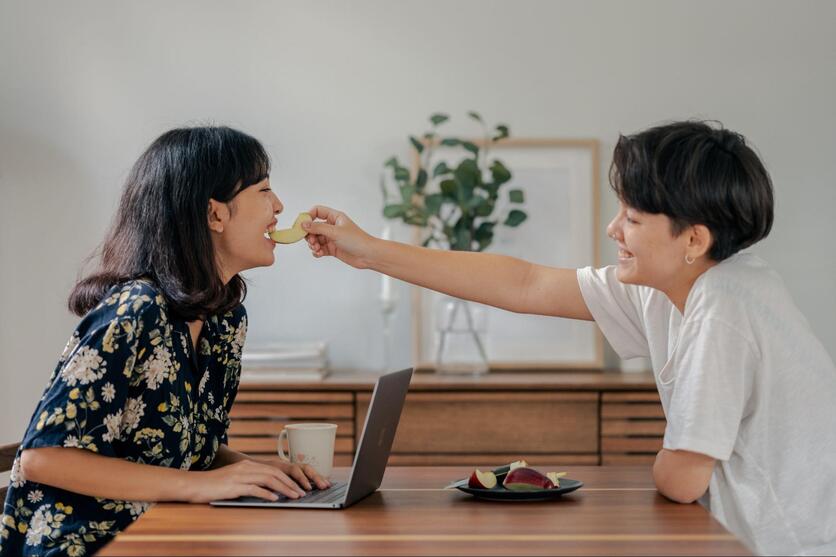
[
  {"x": 747, "y": 388},
  {"x": 137, "y": 408}
]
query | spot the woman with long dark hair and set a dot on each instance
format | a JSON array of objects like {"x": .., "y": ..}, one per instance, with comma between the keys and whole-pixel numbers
[{"x": 137, "y": 408}]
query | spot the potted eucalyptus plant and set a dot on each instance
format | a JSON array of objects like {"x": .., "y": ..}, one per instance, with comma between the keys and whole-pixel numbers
[
  {"x": 453, "y": 196},
  {"x": 458, "y": 214}
]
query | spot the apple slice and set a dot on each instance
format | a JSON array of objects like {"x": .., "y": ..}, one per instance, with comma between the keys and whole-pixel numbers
[
  {"x": 292, "y": 234},
  {"x": 482, "y": 480},
  {"x": 523, "y": 478},
  {"x": 555, "y": 477},
  {"x": 517, "y": 464}
]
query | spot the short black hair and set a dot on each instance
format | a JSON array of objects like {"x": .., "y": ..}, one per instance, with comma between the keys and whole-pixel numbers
[
  {"x": 696, "y": 173},
  {"x": 161, "y": 231}
]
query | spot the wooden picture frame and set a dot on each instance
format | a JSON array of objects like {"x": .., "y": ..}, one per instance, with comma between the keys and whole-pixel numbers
[{"x": 560, "y": 176}]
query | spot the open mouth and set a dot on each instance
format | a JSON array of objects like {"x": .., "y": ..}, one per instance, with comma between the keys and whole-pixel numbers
[
  {"x": 624, "y": 254},
  {"x": 268, "y": 230}
]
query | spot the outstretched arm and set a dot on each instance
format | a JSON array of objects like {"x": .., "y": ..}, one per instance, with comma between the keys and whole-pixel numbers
[{"x": 497, "y": 280}]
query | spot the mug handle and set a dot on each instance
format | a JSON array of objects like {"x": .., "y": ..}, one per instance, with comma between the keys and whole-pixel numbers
[{"x": 282, "y": 438}]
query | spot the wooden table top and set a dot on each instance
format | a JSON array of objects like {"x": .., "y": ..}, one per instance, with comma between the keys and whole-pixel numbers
[
  {"x": 617, "y": 512},
  {"x": 577, "y": 380}
]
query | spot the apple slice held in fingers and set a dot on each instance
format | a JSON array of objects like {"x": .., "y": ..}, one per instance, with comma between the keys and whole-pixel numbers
[
  {"x": 523, "y": 478},
  {"x": 292, "y": 234},
  {"x": 482, "y": 480}
]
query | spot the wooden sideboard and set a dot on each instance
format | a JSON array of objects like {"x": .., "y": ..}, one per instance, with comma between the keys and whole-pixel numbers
[{"x": 566, "y": 418}]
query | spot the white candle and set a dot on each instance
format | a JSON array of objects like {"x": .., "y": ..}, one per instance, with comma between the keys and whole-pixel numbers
[{"x": 386, "y": 280}]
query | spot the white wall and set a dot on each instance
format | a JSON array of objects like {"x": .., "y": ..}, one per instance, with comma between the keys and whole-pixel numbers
[{"x": 332, "y": 89}]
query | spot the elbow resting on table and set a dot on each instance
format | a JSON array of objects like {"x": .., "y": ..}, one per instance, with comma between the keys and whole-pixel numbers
[
  {"x": 679, "y": 494},
  {"x": 682, "y": 476}
]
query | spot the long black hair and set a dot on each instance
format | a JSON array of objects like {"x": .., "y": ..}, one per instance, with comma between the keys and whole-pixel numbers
[{"x": 160, "y": 231}]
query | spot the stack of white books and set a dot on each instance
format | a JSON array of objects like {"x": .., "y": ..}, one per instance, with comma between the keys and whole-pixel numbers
[{"x": 303, "y": 361}]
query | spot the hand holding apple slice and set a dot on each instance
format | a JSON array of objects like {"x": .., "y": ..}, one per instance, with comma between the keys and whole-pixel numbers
[
  {"x": 482, "y": 480},
  {"x": 292, "y": 234}
]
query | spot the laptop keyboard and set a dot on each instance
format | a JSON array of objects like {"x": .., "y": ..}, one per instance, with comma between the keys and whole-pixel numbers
[{"x": 330, "y": 495}]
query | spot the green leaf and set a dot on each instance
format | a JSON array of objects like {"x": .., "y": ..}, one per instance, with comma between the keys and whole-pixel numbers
[
  {"x": 475, "y": 115},
  {"x": 500, "y": 173},
  {"x": 406, "y": 194},
  {"x": 438, "y": 118},
  {"x": 421, "y": 179},
  {"x": 485, "y": 208},
  {"x": 450, "y": 189},
  {"x": 441, "y": 168},
  {"x": 391, "y": 161},
  {"x": 515, "y": 218},
  {"x": 485, "y": 228},
  {"x": 462, "y": 239},
  {"x": 401, "y": 174},
  {"x": 450, "y": 141},
  {"x": 516, "y": 196},
  {"x": 393, "y": 211},
  {"x": 474, "y": 202},
  {"x": 484, "y": 234},
  {"x": 416, "y": 216},
  {"x": 470, "y": 147},
  {"x": 501, "y": 132},
  {"x": 433, "y": 202},
  {"x": 417, "y": 144},
  {"x": 467, "y": 174}
]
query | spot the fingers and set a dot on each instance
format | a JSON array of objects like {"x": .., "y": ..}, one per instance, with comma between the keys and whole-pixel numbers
[
  {"x": 297, "y": 474},
  {"x": 310, "y": 472},
  {"x": 276, "y": 481},
  {"x": 288, "y": 482},
  {"x": 264, "y": 475},
  {"x": 318, "y": 245},
  {"x": 320, "y": 228},
  {"x": 261, "y": 493},
  {"x": 325, "y": 213}
]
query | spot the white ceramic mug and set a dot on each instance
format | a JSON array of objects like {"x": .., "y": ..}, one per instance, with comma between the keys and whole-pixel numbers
[{"x": 310, "y": 444}]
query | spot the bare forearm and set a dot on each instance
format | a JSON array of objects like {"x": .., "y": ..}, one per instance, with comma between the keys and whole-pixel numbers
[
  {"x": 495, "y": 280},
  {"x": 82, "y": 471}
]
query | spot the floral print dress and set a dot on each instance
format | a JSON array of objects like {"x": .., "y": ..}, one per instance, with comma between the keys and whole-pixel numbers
[{"x": 128, "y": 385}]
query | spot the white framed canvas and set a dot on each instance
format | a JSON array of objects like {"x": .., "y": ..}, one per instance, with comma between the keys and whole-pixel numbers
[{"x": 559, "y": 178}]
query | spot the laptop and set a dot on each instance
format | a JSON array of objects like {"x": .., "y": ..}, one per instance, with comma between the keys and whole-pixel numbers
[{"x": 369, "y": 461}]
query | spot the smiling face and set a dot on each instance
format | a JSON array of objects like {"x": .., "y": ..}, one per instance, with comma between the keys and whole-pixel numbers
[
  {"x": 649, "y": 253},
  {"x": 239, "y": 228}
]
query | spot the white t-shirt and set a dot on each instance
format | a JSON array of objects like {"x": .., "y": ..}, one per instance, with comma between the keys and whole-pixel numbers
[{"x": 743, "y": 379}]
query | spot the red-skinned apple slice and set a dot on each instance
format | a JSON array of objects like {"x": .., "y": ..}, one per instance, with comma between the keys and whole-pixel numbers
[
  {"x": 482, "y": 480},
  {"x": 526, "y": 479}
]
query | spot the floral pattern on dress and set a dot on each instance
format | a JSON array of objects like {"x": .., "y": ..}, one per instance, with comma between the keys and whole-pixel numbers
[{"x": 124, "y": 387}]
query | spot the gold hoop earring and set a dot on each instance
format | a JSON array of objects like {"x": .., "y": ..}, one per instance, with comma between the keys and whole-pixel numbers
[{"x": 689, "y": 260}]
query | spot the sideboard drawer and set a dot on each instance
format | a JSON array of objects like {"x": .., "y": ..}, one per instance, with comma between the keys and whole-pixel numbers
[
  {"x": 632, "y": 427},
  {"x": 457, "y": 423}
]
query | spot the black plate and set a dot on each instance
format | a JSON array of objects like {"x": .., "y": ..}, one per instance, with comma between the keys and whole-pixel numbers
[{"x": 499, "y": 493}]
